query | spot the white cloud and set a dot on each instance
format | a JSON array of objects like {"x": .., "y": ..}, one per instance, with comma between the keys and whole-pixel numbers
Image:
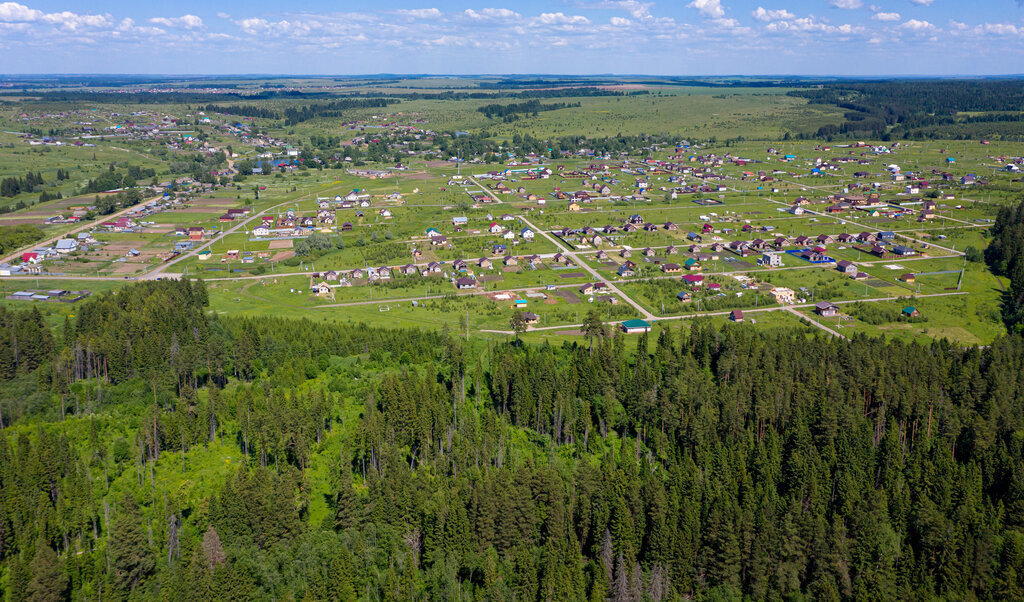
[
  {"x": 186, "y": 21},
  {"x": 763, "y": 14},
  {"x": 12, "y": 12},
  {"x": 1000, "y": 29},
  {"x": 957, "y": 25},
  {"x": 886, "y": 16},
  {"x": 620, "y": 22},
  {"x": 916, "y": 25},
  {"x": 420, "y": 13},
  {"x": 846, "y": 4},
  {"x": 491, "y": 13},
  {"x": 560, "y": 18},
  {"x": 708, "y": 8},
  {"x": 74, "y": 22},
  {"x": 812, "y": 24},
  {"x": 922, "y": 2},
  {"x": 636, "y": 9}
]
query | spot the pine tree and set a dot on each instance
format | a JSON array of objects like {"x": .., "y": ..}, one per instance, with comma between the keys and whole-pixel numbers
[
  {"x": 131, "y": 559},
  {"x": 49, "y": 582}
]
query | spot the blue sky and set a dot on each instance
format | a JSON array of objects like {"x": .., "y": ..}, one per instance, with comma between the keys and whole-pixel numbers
[{"x": 684, "y": 37}]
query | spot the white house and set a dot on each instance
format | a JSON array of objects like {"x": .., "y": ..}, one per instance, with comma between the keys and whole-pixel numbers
[
  {"x": 496, "y": 228},
  {"x": 526, "y": 233},
  {"x": 66, "y": 245},
  {"x": 261, "y": 231}
]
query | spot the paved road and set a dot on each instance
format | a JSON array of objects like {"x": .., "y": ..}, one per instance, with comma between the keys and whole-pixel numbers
[{"x": 85, "y": 226}]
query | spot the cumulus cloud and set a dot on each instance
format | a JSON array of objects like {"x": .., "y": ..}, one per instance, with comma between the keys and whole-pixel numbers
[
  {"x": 763, "y": 14},
  {"x": 560, "y": 18},
  {"x": 922, "y": 2},
  {"x": 917, "y": 25},
  {"x": 620, "y": 22},
  {"x": 812, "y": 24},
  {"x": 12, "y": 12},
  {"x": 708, "y": 8},
  {"x": 491, "y": 13},
  {"x": 186, "y": 21},
  {"x": 886, "y": 16},
  {"x": 1000, "y": 29},
  {"x": 846, "y": 4}
]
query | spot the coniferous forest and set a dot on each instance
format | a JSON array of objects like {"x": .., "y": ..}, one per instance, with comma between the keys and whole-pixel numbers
[{"x": 151, "y": 449}]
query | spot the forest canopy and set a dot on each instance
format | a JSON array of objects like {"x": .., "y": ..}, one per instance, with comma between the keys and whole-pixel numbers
[{"x": 401, "y": 464}]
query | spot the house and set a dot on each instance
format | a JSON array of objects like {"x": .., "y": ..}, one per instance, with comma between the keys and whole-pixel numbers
[
  {"x": 670, "y": 250},
  {"x": 438, "y": 241},
  {"x": 321, "y": 289},
  {"x": 886, "y": 236},
  {"x": 509, "y": 235},
  {"x": 908, "y": 278},
  {"x": 66, "y": 245},
  {"x": 356, "y": 273},
  {"x": 672, "y": 268},
  {"x": 459, "y": 265},
  {"x": 433, "y": 268},
  {"x": 824, "y": 239},
  {"x": 465, "y": 283},
  {"x": 903, "y": 251},
  {"x": 684, "y": 296},
  {"x": 261, "y": 231},
  {"x": 526, "y": 234},
  {"x": 347, "y": 226},
  {"x": 495, "y": 228},
  {"x": 484, "y": 264},
  {"x": 499, "y": 249},
  {"x": 625, "y": 271},
  {"x": 771, "y": 260},
  {"x": 736, "y": 315},
  {"x": 30, "y": 257},
  {"x": 635, "y": 326},
  {"x": 783, "y": 295},
  {"x": 530, "y": 318},
  {"x": 693, "y": 279},
  {"x": 846, "y": 238},
  {"x": 625, "y": 253},
  {"x": 196, "y": 233},
  {"x": 574, "y": 206},
  {"x": 510, "y": 260},
  {"x": 826, "y": 309},
  {"x": 460, "y": 221},
  {"x": 671, "y": 226},
  {"x": 409, "y": 270},
  {"x": 601, "y": 255},
  {"x": 693, "y": 265},
  {"x": 910, "y": 312},
  {"x": 847, "y": 267},
  {"x": 648, "y": 252}
]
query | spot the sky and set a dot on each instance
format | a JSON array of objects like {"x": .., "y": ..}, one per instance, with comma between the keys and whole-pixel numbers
[{"x": 681, "y": 37}]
